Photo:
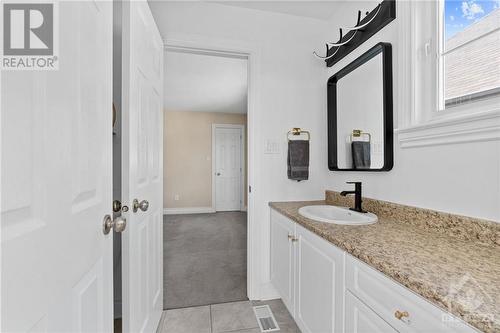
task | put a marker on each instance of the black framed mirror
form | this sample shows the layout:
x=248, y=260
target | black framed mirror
x=360, y=116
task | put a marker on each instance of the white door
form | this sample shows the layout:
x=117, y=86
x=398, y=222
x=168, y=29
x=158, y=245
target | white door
x=359, y=318
x=56, y=129
x=142, y=168
x=319, y=284
x=228, y=167
x=283, y=258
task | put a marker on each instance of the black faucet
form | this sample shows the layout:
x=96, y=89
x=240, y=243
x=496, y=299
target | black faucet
x=357, y=197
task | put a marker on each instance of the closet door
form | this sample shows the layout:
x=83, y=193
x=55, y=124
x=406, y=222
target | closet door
x=227, y=141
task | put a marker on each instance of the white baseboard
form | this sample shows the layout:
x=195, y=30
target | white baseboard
x=188, y=210
x=244, y=209
x=267, y=292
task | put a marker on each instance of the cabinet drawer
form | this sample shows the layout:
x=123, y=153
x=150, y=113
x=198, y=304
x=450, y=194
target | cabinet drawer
x=361, y=319
x=385, y=297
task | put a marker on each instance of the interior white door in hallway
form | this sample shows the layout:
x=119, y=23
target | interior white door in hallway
x=56, y=127
x=142, y=168
x=228, y=167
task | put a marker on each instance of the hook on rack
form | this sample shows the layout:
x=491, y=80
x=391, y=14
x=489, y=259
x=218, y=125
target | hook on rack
x=328, y=44
x=361, y=24
x=344, y=43
x=358, y=26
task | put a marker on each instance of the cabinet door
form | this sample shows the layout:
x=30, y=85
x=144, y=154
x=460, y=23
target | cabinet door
x=319, y=290
x=359, y=318
x=282, y=258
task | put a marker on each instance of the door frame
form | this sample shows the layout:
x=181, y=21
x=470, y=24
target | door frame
x=242, y=164
x=258, y=287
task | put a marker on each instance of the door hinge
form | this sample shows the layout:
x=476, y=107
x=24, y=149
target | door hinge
x=249, y=189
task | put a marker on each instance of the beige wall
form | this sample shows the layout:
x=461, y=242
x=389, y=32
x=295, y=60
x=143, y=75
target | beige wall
x=188, y=156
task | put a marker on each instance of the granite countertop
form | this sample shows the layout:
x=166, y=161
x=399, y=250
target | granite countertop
x=458, y=274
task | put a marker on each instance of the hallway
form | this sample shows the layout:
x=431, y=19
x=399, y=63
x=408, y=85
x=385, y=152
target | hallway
x=204, y=259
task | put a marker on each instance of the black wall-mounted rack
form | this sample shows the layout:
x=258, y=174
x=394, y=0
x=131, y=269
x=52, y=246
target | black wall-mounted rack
x=384, y=15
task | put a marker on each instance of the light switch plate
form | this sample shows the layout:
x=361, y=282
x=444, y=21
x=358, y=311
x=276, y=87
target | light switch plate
x=271, y=147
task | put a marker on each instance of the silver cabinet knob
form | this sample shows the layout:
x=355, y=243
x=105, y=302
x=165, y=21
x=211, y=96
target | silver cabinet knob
x=218, y=174
x=143, y=205
x=118, y=224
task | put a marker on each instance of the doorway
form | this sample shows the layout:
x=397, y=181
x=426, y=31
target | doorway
x=205, y=168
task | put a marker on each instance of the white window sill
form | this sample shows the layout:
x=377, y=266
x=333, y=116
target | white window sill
x=481, y=126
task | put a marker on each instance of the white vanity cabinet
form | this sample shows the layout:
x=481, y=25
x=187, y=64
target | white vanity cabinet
x=308, y=273
x=327, y=290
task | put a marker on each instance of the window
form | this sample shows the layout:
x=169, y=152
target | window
x=449, y=73
x=468, y=51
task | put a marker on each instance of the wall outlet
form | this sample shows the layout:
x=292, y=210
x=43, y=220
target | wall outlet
x=176, y=197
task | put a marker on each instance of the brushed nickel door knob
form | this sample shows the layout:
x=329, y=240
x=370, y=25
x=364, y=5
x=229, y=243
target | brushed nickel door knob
x=117, y=207
x=142, y=205
x=118, y=224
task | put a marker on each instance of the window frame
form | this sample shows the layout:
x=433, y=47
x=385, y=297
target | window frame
x=466, y=106
x=421, y=121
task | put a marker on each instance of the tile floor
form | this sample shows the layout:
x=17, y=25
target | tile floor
x=237, y=317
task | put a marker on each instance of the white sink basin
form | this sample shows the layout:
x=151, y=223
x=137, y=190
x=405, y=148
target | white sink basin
x=337, y=215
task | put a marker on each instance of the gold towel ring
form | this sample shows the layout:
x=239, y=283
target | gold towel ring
x=296, y=131
x=356, y=133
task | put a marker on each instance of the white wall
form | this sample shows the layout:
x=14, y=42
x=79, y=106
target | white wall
x=289, y=86
x=459, y=178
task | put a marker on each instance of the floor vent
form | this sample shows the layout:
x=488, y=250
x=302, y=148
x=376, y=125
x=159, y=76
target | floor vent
x=265, y=318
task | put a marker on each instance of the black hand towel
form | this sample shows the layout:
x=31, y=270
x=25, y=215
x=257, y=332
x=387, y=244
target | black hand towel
x=298, y=160
x=361, y=158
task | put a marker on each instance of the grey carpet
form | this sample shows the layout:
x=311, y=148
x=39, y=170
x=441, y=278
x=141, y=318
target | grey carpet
x=204, y=259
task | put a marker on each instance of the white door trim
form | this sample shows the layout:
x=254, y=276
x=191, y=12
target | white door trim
x=257, y=286
x=242, y=164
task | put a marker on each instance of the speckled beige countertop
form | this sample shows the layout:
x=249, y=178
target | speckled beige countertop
x=429, y=252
